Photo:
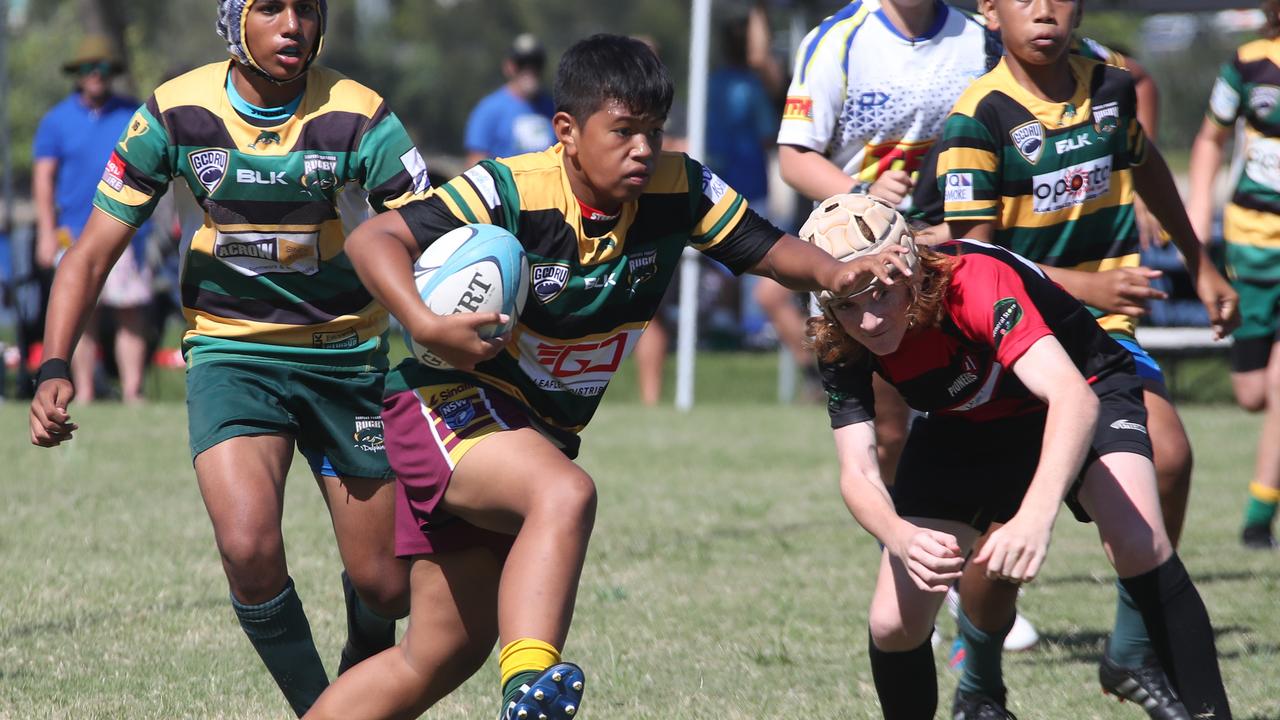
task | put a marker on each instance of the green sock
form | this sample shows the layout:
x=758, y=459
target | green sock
x=511, y=690
x=279, y=631
x=1129, y=645
x=983, y=672
x=368, y=633
x=1258, y=512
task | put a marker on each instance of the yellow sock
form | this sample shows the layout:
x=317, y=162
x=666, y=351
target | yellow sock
x=525, y=655
x=1264, y=493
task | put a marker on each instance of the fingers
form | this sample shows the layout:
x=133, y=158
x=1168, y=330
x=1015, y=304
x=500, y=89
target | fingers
x=50, y=423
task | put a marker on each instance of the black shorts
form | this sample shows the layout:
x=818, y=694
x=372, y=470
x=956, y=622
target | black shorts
x=978, y=472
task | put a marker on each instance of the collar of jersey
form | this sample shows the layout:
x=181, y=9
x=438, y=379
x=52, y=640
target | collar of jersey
x=943, y=12
x=592, y=250
x=248, y=109
x=1050, y=113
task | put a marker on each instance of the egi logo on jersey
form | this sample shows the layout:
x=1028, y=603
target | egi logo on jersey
x=209, y=167
x=548, y=280
x=1071, y=186
x=1106, y=117
x=253, y=254
x=1029, y=139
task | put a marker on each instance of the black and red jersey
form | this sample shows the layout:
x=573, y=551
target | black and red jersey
x=997, y=306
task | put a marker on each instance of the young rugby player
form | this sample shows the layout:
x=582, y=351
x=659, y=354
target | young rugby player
x=491, y=507
x=285, y=347
x=998, y=356
x=1042, y=155
x=1246, y=91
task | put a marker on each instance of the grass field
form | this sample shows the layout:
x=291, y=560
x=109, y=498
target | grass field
x=726, y=580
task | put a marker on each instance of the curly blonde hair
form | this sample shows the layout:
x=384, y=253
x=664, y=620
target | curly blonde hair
x=933, y=277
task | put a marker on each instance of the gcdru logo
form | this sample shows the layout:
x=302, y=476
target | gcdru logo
x=548, y=280
x=209, y=167
x=1028, y=138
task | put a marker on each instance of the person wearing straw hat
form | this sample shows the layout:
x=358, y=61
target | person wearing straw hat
x=72, y=144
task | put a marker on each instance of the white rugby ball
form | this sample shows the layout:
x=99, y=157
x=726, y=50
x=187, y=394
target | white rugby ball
x=475, y=268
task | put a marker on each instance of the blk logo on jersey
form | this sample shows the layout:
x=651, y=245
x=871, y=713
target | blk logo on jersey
x=245, y=176
x=1028, y=138
x=1071, y=186
x=548, y=280
x=209, y=167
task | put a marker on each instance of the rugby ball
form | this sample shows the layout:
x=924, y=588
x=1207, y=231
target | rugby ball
x=475, y=268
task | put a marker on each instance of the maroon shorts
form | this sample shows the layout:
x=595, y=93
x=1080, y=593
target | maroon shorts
x=427, y=432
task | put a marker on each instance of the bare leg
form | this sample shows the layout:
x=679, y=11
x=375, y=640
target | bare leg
x=1173, y=459
x=363, y=514
x=651, y=356
x=452, y=627
x=131, y=352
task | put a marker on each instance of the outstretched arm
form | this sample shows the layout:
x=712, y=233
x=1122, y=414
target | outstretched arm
x=75, y=291
x=1016, y=550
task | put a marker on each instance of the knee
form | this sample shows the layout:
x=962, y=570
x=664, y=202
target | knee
x=254, y=565
x=568, y=498
x=1136, y=553
x=892, y=633
x=1173, y=459
x=383, y=587
x=1251, y=402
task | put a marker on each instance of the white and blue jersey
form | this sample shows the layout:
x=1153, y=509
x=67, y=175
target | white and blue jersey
x=871, y=99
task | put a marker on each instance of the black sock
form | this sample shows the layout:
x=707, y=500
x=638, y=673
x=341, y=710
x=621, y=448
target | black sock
x=368, y=633
x=907, y=682
x=279, y=631
x=1181, y=636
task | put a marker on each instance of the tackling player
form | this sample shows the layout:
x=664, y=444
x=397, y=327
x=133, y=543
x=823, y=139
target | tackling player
x=997, y=355
x=1043, y=156
x=1248, y=90
x=284, y=346
x=492, y=510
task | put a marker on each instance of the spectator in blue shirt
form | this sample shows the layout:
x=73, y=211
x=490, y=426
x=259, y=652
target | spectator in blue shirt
x=515, y=118
x=73, y=144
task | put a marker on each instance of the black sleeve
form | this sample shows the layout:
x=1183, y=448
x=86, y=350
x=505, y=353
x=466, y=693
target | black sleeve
x=927, y=203
x=746, y=244
x=428, y=219
x=850, y=399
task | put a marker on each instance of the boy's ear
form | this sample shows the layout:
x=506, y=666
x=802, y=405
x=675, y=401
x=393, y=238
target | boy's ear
x=988, y=10
x=566, y=129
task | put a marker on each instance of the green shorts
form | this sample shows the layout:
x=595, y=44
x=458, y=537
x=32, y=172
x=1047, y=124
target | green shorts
x=1259, y=324
x=334, y=416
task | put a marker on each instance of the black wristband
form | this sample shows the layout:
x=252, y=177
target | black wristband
x=53, y=369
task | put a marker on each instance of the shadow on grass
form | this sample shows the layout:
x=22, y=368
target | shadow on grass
x=1101, y=578
x=69, y=624
x=1086, y=646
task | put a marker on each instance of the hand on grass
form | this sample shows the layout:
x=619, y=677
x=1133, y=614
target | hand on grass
x=50, y=422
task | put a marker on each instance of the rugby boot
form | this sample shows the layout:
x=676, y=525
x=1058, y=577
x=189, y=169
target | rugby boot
x=1146, y=686
x=359, y=645
x=979, y=706
x=1258, y=537
x=556, y=694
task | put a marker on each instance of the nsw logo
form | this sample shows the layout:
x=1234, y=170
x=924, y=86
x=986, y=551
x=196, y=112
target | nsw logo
x=959, y=187
x=1028, y=138
x=209, y=167
x=1071, y=186
x=548, y=280
x=457, y=414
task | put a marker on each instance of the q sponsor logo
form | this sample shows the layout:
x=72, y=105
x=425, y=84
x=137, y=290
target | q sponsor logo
x=959, y=187
x=1071, y=186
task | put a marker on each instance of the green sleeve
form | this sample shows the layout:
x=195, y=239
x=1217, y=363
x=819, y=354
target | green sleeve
x=139, y=170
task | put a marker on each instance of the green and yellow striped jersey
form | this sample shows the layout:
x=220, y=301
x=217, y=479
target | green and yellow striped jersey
x=1055, y=178
x=1248, y=89
x=593, y=286
x=266, y=276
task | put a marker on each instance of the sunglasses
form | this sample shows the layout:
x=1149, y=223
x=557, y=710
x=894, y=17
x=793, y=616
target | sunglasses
x=102, y=67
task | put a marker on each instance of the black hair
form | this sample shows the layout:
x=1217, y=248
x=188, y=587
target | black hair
x=612, y=67
x=733, y=39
